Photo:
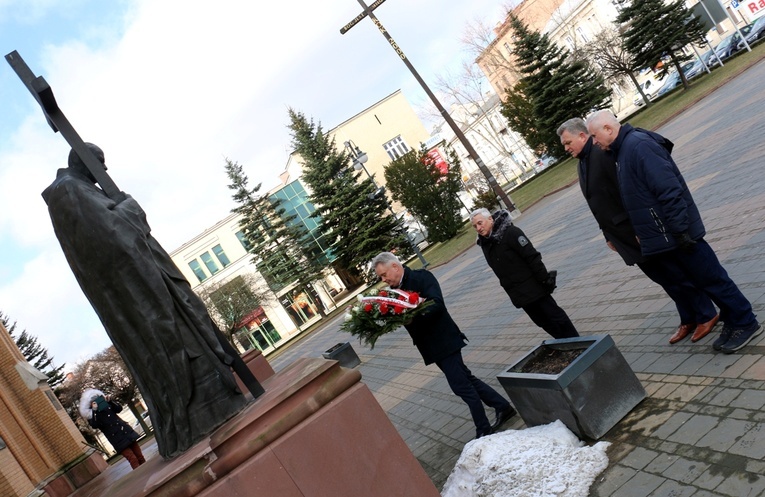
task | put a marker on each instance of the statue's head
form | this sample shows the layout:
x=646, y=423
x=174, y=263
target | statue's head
x=79, y=166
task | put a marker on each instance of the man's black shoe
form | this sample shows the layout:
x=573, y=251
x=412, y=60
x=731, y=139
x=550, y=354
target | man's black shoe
x=502, y=416
x=481, y=434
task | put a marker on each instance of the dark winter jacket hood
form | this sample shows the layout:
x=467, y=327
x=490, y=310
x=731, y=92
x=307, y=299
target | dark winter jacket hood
x=515, y=261
x=502, y=221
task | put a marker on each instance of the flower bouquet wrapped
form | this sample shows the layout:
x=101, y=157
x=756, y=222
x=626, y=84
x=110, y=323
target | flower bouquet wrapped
x=382, y=311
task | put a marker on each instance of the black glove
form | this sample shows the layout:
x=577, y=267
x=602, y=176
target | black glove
x=684, y=241
x=549, y=284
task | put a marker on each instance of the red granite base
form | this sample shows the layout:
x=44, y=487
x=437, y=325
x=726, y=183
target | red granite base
x=317, y=431
x=258, y=365
x=88, y=467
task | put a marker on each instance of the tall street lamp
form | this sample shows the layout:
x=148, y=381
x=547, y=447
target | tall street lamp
x=359, y=159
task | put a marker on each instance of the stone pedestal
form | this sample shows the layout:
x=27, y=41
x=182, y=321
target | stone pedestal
x=258, y=365
x=316, y=432
x=593, y=393
x=73, y=476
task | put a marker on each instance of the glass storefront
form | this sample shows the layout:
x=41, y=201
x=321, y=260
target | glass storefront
x=258, y=332
x=299, y=305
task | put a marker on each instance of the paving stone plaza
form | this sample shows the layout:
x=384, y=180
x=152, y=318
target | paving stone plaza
x=701, y=431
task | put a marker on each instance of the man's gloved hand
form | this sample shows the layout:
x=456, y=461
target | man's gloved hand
x=550, y=284
x=684, y=241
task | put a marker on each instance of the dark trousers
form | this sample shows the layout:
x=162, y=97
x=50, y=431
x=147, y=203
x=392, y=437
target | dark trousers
x=693, y=305
x=133, y=455
x=547, y=314
x=702, y=268
x=474, y=392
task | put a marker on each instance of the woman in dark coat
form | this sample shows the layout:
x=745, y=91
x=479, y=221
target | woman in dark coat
x=102, y=415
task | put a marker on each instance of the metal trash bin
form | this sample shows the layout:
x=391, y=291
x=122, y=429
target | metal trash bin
x=344, y=354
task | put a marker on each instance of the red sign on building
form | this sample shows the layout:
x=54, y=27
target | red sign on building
x=438, y=160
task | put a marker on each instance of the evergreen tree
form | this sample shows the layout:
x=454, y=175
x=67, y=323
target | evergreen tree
x=416, y=182
x=655, y=29
x=557, y=85
x=34, y=353
x=284, y=253
x=519, y=112
x=353, y=214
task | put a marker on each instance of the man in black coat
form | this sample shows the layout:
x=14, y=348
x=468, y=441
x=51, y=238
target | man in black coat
x=600, y=187
x=521, y=272
x=440, y=341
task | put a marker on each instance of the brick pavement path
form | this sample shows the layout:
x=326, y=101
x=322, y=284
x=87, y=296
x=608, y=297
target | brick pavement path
x=701, y=432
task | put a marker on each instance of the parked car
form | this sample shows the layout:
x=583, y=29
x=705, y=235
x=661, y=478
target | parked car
x=137, y=425
x=730, y=44
x=756, y=33
x=650, y=87
x=690, y=69
x=696, y=67
x=670, y=83
x=545, y=161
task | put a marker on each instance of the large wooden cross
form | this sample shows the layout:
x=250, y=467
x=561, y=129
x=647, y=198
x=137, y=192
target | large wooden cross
x=42, y=92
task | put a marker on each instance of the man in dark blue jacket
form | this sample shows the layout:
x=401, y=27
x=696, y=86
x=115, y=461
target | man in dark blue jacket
x=600, y=187
x=668, y=223
x=440, y=341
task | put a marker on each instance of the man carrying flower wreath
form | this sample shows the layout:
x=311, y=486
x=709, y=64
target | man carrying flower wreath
x=440, y=341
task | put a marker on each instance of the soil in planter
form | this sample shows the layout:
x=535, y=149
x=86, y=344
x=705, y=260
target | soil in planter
x=550, y=361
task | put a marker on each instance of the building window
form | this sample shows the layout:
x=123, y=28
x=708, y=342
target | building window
x=508, y=48
x=570, y=43
x=198, y=271
x=221, y=255
x=302, y=215
x=396, y=148
x=582, y=35
x=209, y=262
x=243, y=240
x=258, y=332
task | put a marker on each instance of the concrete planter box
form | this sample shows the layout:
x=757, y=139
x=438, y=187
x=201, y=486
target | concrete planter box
x=593, y=393
x=344, y=354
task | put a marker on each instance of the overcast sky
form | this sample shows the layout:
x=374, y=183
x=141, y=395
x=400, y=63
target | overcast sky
x=169, y=89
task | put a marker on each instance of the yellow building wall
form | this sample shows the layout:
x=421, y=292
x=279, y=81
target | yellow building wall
x=371, y=128
x=39, y=435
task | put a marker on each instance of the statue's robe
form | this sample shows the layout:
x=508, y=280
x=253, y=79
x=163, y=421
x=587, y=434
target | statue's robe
x=158, y=325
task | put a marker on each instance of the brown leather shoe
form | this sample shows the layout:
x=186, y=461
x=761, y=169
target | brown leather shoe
x=703, y=329
x=682, y=331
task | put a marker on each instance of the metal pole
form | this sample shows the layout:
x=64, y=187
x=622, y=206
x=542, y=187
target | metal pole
x=505, y=199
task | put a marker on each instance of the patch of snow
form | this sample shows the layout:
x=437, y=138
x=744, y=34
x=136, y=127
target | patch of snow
x=542, y=461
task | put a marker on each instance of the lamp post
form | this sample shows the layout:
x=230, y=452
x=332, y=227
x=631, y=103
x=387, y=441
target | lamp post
x=359, y=159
